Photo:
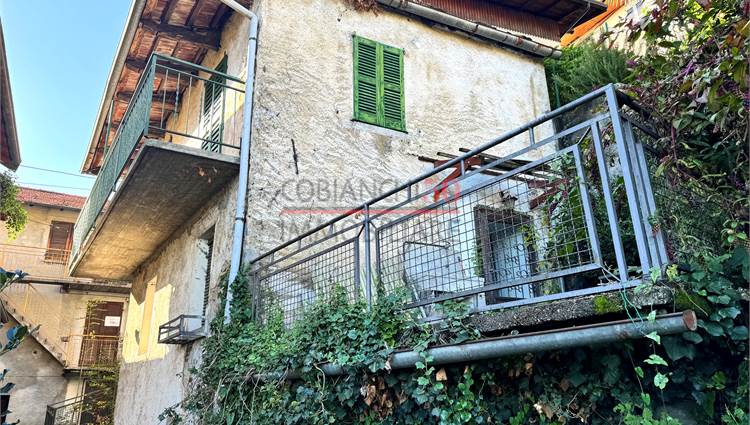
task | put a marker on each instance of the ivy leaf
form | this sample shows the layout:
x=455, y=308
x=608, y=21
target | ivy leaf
x=651, y=316
x=678, y=348
x=639, y=371
x=422, y=381
x=646, y=399
x=656, y=359
x=660, y=380
x=713, y=328
x=720, y=299
x=693, y=337
x=739, y=333
x=730, y=312
x=655, y=337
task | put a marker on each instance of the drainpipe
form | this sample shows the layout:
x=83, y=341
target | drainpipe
x=474, y=28
x=493, y=348
x=247, y=121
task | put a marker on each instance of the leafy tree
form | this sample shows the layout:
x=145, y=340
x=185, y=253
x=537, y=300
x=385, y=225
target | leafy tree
x=11, y=210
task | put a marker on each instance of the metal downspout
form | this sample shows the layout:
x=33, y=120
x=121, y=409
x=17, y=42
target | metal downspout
x=557, y=339
x=247, y=121
x=485, y=31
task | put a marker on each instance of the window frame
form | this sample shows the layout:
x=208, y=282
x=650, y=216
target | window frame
x=381, y=85
x=56, y=255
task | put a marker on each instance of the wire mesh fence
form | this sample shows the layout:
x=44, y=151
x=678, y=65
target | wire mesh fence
x=569, y=212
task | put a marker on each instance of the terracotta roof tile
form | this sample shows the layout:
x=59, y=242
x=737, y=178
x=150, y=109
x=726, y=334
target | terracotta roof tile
x=45, y=197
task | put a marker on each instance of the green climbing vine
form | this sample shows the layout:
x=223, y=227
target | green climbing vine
x=269, y=373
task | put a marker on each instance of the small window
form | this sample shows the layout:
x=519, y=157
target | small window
x=59, y=242
x=378, y=84
x=212, y=113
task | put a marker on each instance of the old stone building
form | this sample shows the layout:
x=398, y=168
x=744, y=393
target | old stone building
x=78, y=320
x=340, y=96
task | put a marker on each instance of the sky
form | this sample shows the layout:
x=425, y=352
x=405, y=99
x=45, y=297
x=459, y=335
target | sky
x=59, y=56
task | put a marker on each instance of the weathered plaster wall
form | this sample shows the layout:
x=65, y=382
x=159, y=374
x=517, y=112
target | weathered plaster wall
x=460, y=92
x=27, y=250
x=38, y=377
x=153, y=381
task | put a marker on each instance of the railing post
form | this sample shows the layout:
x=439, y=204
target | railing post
x=368, y=265
x=629, y=180
x=609, y=203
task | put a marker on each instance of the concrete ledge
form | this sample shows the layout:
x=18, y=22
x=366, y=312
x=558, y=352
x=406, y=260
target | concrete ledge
x=581, y=309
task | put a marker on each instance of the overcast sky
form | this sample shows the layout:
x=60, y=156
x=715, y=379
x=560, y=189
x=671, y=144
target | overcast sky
x=59, y=56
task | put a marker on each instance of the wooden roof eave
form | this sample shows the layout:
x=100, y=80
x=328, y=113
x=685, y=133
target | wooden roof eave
x=131, y=26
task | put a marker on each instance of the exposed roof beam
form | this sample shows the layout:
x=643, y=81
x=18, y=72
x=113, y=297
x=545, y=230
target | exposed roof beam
x=168, y=11
x=204, y=38
x=138, y=65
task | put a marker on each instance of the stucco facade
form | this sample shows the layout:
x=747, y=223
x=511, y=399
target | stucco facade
x=459, y=92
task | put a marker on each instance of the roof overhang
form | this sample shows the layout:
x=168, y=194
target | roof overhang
x=10, y=153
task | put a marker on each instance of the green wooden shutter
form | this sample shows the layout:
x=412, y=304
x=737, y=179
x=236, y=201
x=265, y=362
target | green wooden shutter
x=378, y=84
x=365, y=80
x=393, y=88
x=213, y=103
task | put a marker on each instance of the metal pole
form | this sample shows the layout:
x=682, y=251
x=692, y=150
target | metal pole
x=247, y=114
x=630, y=189
x=368, y=263
x=558, y=339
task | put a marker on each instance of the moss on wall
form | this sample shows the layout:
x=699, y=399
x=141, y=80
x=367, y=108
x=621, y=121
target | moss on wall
x=604, y=304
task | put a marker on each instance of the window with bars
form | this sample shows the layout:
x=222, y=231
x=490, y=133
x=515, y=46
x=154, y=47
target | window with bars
x=379, y=84
x=212, y=112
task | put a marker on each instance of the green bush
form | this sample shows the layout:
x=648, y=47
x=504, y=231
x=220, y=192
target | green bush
x=582, y=69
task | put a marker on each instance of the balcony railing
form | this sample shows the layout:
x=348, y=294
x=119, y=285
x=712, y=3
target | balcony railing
x=83, y=409
x=563, y=206
x=175, y=102
x=182, y=329
x=36, y=261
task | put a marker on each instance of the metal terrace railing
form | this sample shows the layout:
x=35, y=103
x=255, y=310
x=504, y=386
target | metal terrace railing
x=571, y=211
x=36, y=261
x=176, y=102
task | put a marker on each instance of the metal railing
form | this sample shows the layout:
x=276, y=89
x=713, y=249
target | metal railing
x=182, y=329
x=79, y=410
x=569, y=212
x=32, y=308
x=36, y=261
x=176, y=102
x=66, y=412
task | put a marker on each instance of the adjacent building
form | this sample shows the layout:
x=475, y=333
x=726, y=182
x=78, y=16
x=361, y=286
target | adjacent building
x=78, y=320
x=347, y=104
x=611, y=26
x=10, y=154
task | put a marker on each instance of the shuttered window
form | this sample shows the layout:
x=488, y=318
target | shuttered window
x=59, y=242
x=378, y=84
x=213, y=109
